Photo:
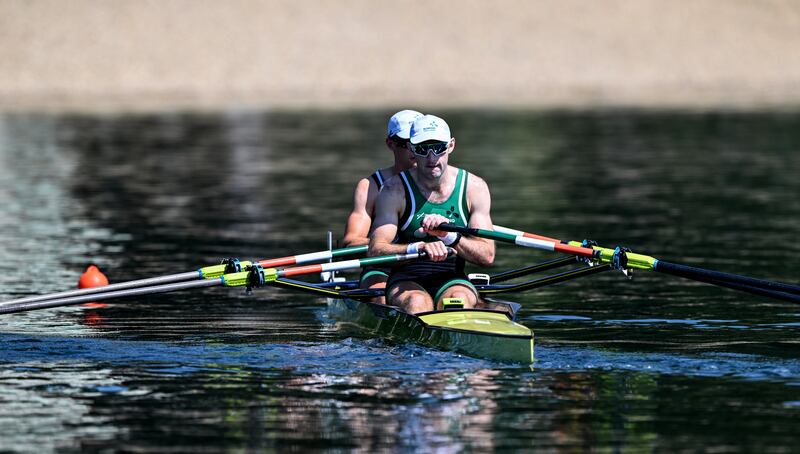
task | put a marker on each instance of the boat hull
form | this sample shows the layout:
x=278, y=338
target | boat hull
x=489, y=334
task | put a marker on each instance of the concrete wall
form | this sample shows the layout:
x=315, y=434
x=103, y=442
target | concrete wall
x=164, y=54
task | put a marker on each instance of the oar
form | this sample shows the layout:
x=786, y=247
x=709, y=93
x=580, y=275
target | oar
x=675, y=269
x=256, y=276
x=622, y=259
x=207, y=272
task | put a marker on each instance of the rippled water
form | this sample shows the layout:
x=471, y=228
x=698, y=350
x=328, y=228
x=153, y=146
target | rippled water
x=652, y=363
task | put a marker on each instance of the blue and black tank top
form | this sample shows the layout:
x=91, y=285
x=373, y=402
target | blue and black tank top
x=378, y=179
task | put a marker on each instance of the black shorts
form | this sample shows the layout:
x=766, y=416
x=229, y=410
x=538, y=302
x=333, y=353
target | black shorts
x=433, y=277
x=369, y=271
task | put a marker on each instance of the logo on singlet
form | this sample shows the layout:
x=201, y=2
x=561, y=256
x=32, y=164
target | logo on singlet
x=450, y=214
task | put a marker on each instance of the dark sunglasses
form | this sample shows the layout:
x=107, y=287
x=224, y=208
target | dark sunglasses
x=424, y=149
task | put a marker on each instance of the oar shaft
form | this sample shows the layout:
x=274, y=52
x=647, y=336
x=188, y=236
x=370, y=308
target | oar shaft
x=312, y=257
x=779, y=290
x=784, y=296
x=705, y=275
x=522, y=239
x=207, y=272
x=243, y=278
x=108, y=288
x=345, y=265
x=13, y=306
x=541, y=242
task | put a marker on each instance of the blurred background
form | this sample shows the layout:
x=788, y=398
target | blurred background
x=149, y=54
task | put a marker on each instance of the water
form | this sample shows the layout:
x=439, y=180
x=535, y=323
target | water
x=653, y=363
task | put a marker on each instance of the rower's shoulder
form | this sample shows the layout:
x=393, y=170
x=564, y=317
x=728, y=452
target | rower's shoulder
x=477, y=188
x=476, y=181
x=393, y=183
x=370, y=181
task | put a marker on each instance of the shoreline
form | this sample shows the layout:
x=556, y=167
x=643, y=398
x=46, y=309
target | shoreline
x=149, y=55
x=138, y=104
x=596, y=98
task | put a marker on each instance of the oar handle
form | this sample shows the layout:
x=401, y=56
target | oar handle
x=345, y=265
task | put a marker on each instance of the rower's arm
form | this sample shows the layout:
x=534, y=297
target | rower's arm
x=388, y=207
x=359, y=222
x=473, y=249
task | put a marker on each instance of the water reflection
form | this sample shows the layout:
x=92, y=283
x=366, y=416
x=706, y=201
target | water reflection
x=51, y=407
x=142, y=406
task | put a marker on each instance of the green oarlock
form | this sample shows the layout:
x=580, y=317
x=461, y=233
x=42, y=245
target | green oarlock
x=270, y=274
x=235, y=279
x=214, y=271
x=635, y=261
x=244, y=278
x=640, y=261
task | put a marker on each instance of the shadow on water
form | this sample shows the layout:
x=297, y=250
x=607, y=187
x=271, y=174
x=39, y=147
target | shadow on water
x=655, y=363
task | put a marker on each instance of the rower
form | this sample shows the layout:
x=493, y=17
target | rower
x=412, y=205
x=359, y=222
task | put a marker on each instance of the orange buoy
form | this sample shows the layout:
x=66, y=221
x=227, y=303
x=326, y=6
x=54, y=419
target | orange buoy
x=92, y=277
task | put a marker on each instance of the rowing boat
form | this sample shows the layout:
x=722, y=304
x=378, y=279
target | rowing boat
x=489, y=333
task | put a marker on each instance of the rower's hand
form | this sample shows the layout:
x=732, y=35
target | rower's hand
x=431, y=221
x=436, y=251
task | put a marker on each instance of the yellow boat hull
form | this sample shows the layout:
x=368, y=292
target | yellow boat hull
x=481, y=333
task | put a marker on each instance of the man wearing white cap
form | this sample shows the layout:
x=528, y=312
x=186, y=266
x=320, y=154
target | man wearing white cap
x=359, y=222
x=411, y=206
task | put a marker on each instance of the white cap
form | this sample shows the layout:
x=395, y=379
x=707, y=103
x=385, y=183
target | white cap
x=400, y=123
x=429, y=127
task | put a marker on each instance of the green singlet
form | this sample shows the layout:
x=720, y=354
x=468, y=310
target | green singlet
x=417, y=206
x=434, y=277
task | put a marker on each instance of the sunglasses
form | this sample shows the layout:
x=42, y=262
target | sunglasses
x=423, y=150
